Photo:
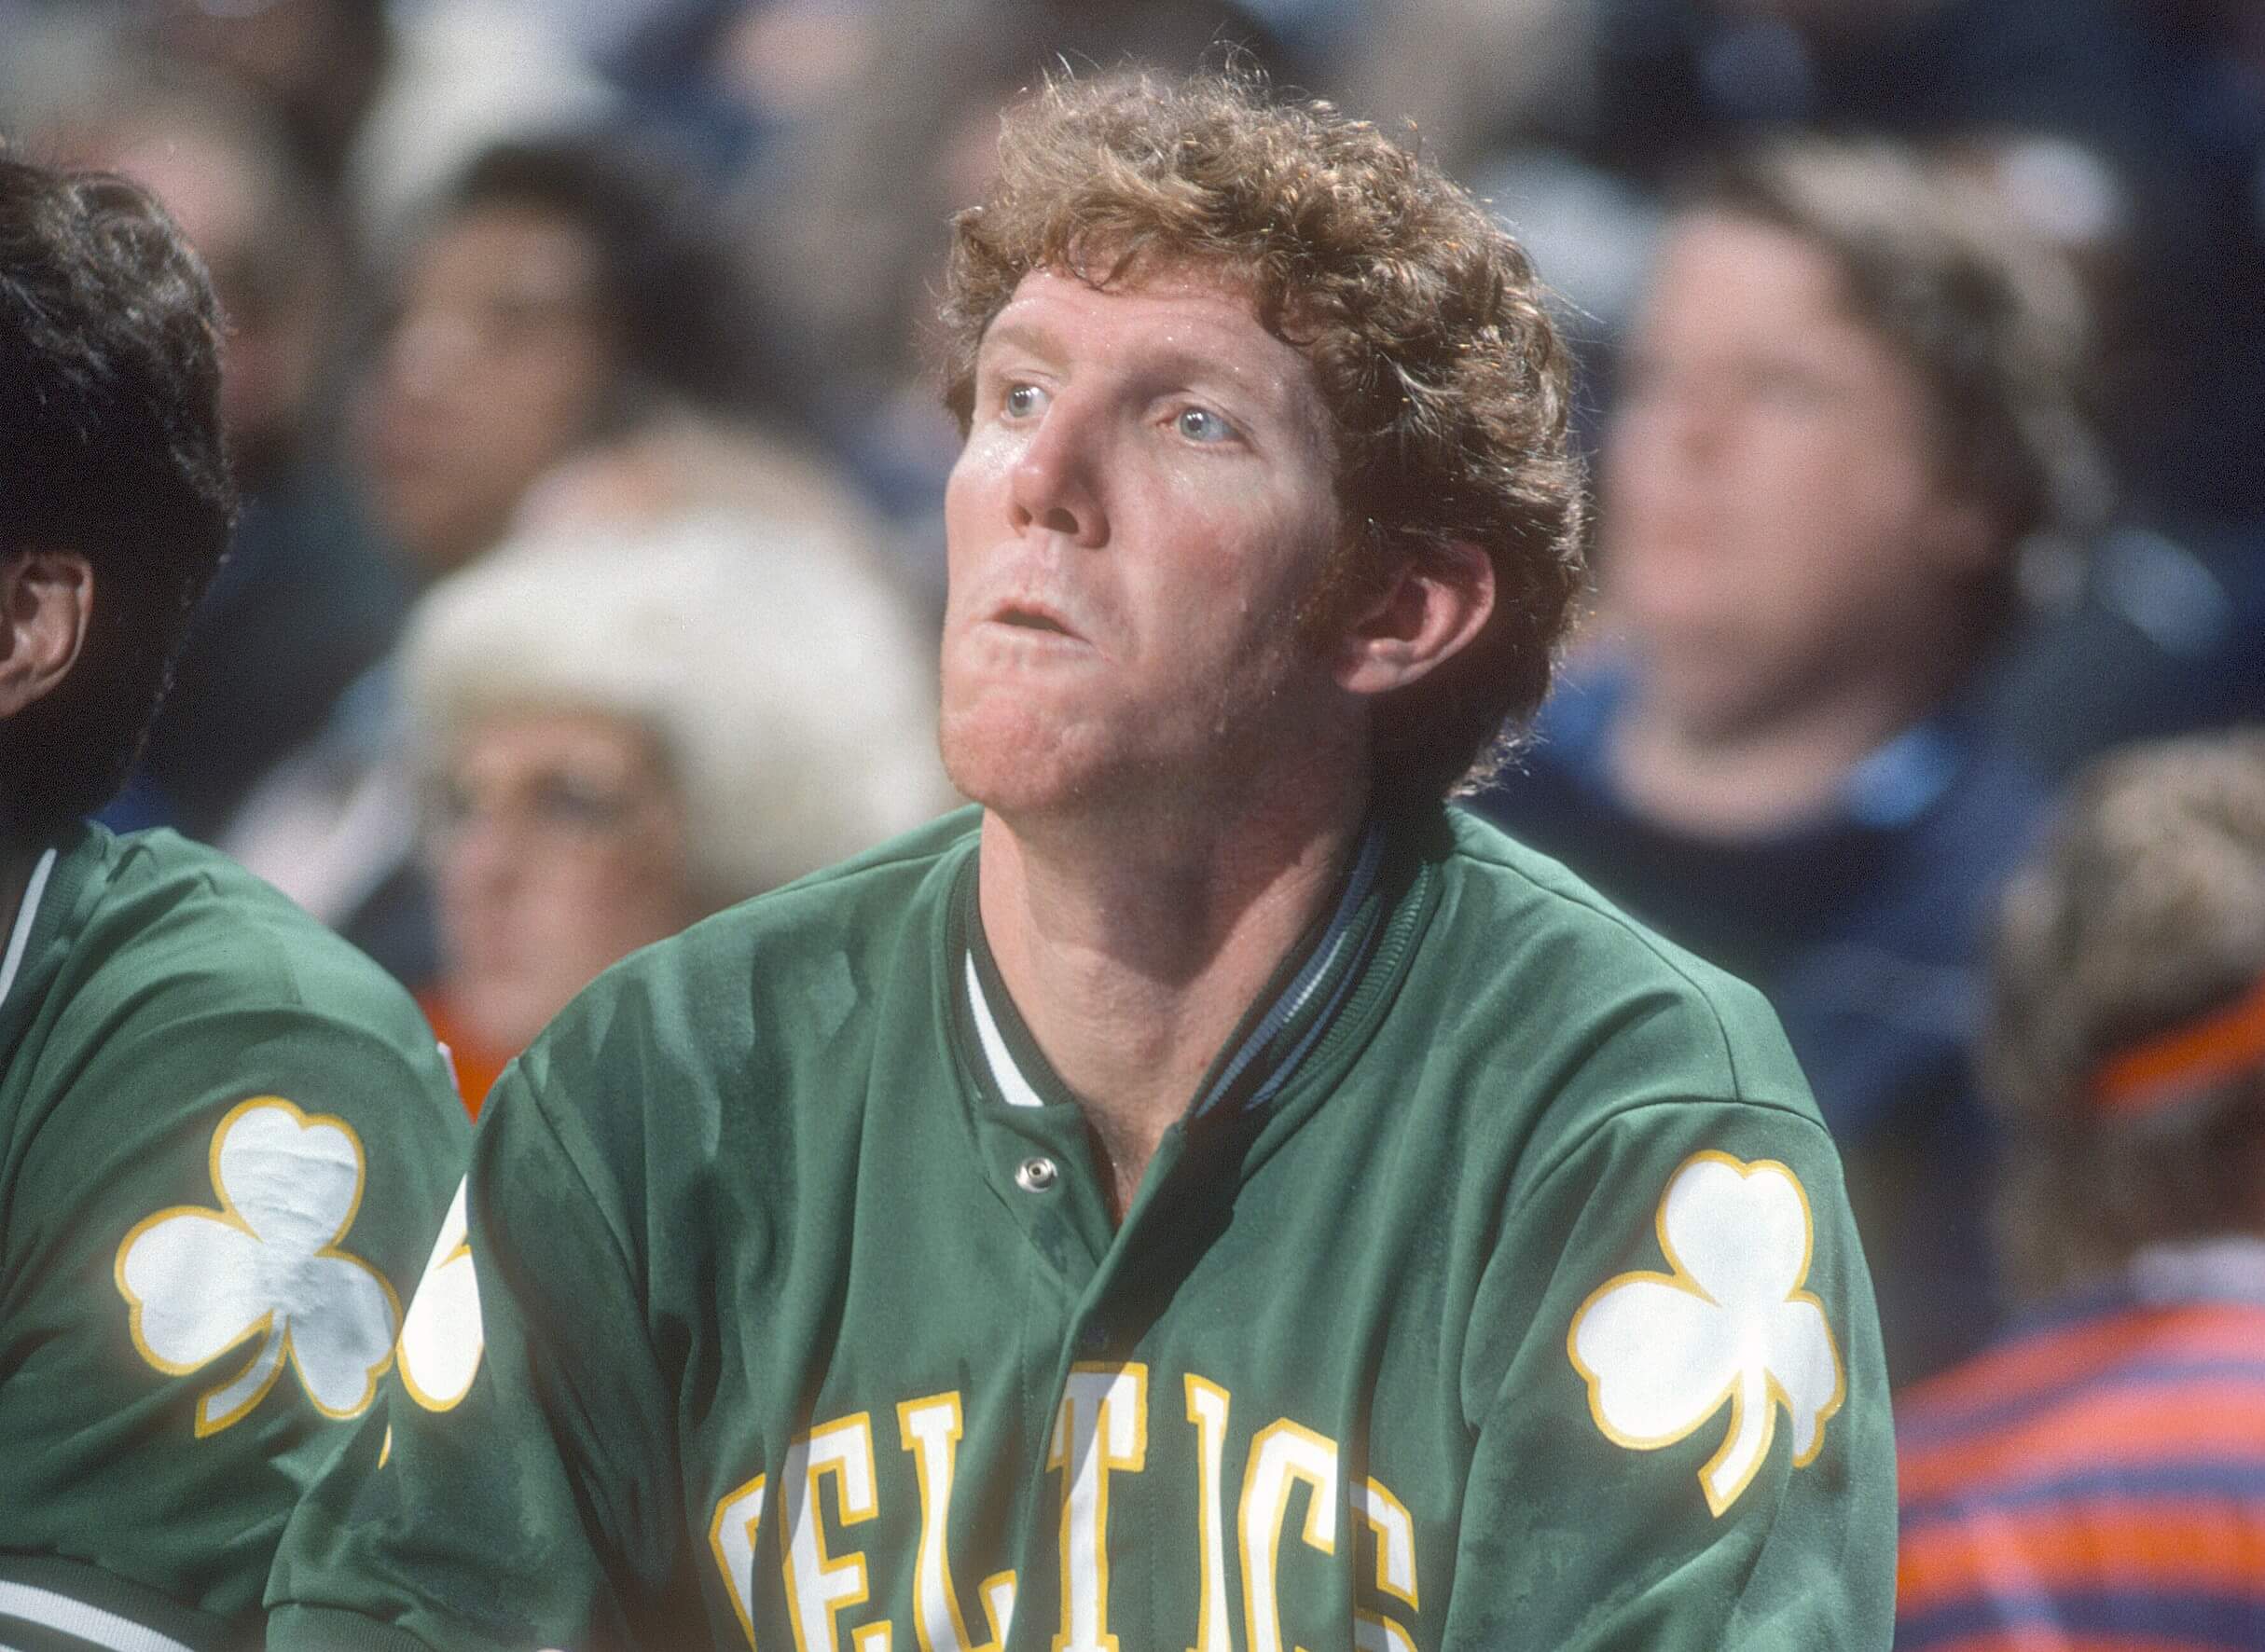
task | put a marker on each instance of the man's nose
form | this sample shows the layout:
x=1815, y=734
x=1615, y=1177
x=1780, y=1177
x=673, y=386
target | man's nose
x=426, y=353
x=478, y=857
x=1670, y=436
x=1055, y=484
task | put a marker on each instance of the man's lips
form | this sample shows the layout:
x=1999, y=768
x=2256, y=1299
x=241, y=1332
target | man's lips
x=1039, y=618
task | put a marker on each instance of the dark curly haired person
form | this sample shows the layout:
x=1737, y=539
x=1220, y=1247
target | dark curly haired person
x=1211, y=1195
x=225, y=1136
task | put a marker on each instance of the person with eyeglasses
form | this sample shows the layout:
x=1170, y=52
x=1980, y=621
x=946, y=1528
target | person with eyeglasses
x=621, y=728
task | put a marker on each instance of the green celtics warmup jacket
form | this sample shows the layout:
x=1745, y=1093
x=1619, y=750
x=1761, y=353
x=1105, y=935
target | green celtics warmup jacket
x=225, y=1138
x=1498, y=1291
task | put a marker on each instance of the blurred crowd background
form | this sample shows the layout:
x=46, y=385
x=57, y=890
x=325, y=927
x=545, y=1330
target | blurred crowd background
x=592, y=546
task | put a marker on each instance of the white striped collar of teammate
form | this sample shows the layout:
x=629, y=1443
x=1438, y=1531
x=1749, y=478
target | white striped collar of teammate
x=13, y=960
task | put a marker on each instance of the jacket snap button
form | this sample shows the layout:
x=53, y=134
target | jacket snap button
x=1034, y=1175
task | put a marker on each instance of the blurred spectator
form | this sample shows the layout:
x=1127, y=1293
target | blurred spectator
x=2147, y=85
x=307, y=601
x=1846, y=408
x=624, y=730
x=2098, y=1477
x=565, y=288
x=319, y=64
x=574, y=295
x=1468, y=75
x=2161, y=629
x=387, y=101
x=713, y=71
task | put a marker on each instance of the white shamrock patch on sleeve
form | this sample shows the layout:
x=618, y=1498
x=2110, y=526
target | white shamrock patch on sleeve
x=1662, y=1352
x=264, y=1269
x=442, y=1337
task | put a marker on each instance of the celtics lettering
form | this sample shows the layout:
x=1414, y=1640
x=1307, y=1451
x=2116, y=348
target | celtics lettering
x=1290, y=1493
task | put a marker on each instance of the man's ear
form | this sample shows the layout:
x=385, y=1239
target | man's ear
x=46, y=603
x=1428, y=611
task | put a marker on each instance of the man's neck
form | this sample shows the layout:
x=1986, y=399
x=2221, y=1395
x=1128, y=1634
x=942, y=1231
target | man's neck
x=1131, y=964
x=1757, y=775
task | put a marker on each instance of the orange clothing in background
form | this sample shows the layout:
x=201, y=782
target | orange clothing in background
x=478, y=1066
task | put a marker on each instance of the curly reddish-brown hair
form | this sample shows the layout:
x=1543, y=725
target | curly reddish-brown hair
x=1448, y=385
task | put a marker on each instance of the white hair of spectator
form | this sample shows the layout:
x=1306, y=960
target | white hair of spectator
x=783, y=676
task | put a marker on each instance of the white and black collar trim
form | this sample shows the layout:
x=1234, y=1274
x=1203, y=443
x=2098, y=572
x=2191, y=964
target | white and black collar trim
x=1266, y=1051
x=21, y=936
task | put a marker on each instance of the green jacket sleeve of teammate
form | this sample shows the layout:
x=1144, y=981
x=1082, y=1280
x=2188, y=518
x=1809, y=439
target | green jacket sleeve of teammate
x=1684, y=1440
x=516, y=1484
x=224, y=1139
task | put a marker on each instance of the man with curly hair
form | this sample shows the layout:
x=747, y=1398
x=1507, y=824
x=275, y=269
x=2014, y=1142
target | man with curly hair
x=1212, y=1194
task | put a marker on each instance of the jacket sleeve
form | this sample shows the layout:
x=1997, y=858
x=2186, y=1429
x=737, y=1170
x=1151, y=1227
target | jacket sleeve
x=210, y=1210
x=1683, y=1432
x=515, y=1485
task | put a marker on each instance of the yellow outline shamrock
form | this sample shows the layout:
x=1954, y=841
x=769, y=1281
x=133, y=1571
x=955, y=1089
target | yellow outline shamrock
x=1661, y=1353
x=264, y=1269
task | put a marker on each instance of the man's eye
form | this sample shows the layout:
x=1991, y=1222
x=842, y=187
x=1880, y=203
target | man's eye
x=448, y=807
x=1200, y=424
x=566, y=802
x=1022, y=400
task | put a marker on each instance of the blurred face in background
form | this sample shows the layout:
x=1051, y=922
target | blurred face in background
x=1776, y=522
x=558, y=844
x=274, y=270
x=497, y=364
x=321, y=60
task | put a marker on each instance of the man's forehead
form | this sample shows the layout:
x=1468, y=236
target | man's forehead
x=1164, y=311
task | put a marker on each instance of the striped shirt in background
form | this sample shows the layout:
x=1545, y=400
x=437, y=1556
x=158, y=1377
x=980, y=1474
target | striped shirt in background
x=2095, y=1480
